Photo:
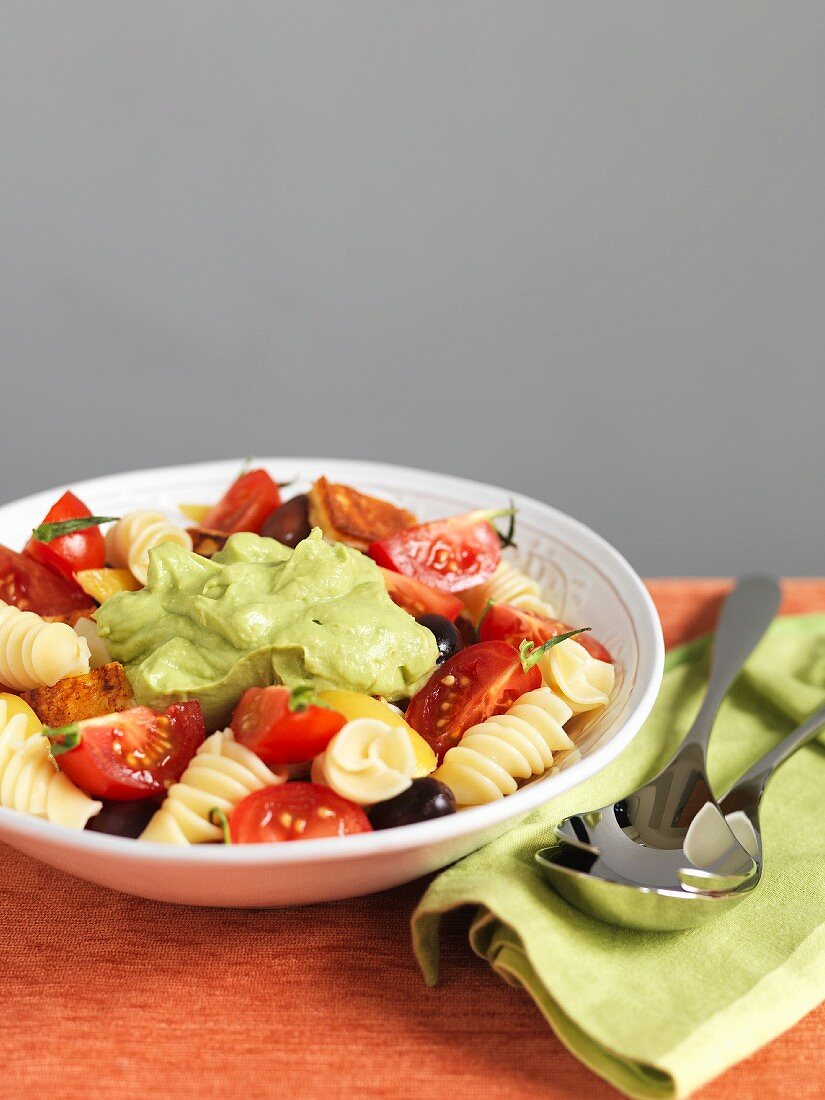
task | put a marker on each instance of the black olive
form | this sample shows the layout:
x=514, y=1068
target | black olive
x=446, y=635
x=422, y=800
x=123, y=818
x=289, y=523
x=469, y=634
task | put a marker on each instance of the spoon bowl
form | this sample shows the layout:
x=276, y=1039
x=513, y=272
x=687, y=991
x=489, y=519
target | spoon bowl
x=703, y=893
x=630, y=865
x=666, y=856
x=648, y=909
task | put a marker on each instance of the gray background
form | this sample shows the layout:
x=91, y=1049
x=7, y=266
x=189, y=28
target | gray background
x=573, y=248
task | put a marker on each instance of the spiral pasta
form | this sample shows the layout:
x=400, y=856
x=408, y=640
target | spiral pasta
x=219, y=776
x=507, y=585
x=491, y=756
x=583, y=681
x=367, y=761
x=98, y=650
x=128, y=543
x=34, y=653
x=29, y=781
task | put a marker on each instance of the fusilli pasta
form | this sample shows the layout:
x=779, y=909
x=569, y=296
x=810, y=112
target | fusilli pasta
x=219, y=776
x=98, y=650
x=584, y=682
x=128, y=543
x=507, y=585
x=493, y=755
x=34, y=653
x=29, y=781
x=367, y=761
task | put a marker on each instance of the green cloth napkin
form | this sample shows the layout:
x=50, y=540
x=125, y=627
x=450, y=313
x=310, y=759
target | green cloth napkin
x=659, y=1014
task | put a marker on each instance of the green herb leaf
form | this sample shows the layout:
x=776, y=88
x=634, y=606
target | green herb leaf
x=219, y=818
x=46, y=532
x=63, y=738
x=530, y=655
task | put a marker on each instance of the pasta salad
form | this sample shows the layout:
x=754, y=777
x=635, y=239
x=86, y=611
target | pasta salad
x=271, y=670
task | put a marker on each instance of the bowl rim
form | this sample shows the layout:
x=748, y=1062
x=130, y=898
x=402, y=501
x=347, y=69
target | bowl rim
x=650, y=669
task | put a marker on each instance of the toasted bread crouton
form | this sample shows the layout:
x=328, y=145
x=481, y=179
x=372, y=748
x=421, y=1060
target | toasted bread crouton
x=206, y=543
x=101, y=691
x=345, y=515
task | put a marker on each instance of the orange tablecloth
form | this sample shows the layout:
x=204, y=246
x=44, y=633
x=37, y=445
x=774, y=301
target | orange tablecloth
x=107, y=995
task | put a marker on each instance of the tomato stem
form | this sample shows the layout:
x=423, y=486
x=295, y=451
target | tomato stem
x=46, y=532
x=509, y=538
x=484, y=614
x=302, y=697
x=249, y=462
x=530, y=655
x=219, y=818
x=489, y=514
x=63, y=738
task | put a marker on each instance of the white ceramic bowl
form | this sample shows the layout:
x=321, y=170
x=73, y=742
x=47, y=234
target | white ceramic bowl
x=588, y=581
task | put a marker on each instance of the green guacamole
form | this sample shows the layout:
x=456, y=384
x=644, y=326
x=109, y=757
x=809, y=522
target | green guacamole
x=259, y=613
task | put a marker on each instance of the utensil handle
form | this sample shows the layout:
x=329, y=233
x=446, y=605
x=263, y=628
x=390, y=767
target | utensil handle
x=746, y=615
x=753, y=782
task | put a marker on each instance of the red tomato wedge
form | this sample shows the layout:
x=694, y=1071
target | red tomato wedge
x=132, y=754
x=479, y=681
x=295, y=811
x=31, y=586
x=281, y=728
x=511, y=624
x=68, y=554
x=245, y=505
x=420, y=599
x=447, y=554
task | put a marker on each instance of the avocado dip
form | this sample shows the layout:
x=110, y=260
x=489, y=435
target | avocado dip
x=258, y=613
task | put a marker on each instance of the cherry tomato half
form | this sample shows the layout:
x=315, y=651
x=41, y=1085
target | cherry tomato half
x=248, y=501
x=68, y=554
x=31, y=586
x=132, y=754
x=504, y=623
x=295, y=811
x=278, y=727
x=420, y=599
x=479, y=681
x=447, y=554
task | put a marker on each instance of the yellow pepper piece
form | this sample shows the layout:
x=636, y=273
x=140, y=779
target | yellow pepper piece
x=195, y=512
x=100, y=584
x=15, y=706
x=352, y=704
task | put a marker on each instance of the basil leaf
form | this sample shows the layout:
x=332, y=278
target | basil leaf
x=531, y=656
x=46, y=532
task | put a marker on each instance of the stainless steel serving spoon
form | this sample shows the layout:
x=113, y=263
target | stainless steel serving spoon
x=667, y=857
